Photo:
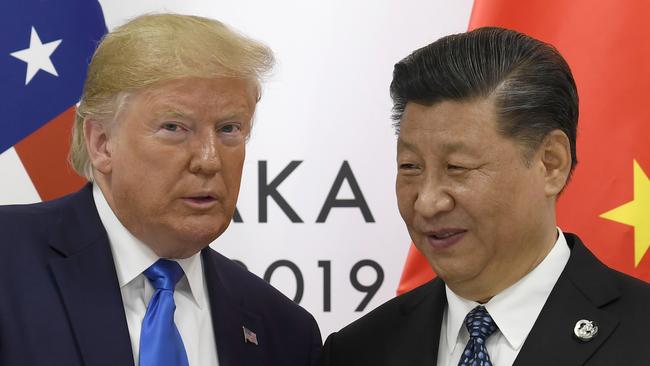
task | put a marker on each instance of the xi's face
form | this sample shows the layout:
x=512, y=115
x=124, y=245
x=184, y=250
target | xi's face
x=472, y=205
x=175, y=161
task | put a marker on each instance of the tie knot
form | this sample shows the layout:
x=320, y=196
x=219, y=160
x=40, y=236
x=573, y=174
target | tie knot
x=479, y=323
x=164, y=274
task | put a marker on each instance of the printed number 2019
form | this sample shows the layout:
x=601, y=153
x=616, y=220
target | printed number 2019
x=370, y=290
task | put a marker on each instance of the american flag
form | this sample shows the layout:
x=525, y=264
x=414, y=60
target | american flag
x=249, y=336
x=45, y=47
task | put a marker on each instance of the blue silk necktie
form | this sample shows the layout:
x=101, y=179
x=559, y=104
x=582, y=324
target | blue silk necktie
x=160, y=342
x=480, y=326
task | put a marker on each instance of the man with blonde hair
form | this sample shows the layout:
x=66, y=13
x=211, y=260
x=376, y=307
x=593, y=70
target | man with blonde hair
x=121, y=273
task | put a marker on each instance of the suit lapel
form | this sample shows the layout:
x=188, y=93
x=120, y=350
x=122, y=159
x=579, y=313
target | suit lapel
x=87, y=282
x=422, y=318
x=583, y=288
x=229, y=316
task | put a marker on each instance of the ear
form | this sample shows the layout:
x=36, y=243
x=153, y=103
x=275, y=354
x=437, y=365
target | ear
x=556, y=159
x=97, y=141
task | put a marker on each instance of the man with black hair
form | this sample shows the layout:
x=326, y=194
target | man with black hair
x=486, y=123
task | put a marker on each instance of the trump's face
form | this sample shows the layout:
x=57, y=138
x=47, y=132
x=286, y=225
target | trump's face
x=478, y=211
x=172, y=164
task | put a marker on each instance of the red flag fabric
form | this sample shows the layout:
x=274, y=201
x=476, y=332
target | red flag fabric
x=607, y=45
x=44, y=154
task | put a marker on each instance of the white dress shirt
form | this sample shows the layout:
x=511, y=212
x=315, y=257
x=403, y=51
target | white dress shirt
x=514, y=311
x=132, y=257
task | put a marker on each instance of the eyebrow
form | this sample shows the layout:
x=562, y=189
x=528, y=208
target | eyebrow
x=446, y=147
x=171, y=112
x=403, y=144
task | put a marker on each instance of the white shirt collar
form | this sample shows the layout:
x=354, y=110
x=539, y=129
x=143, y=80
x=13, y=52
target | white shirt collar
x=516, y=308
x=132, y=257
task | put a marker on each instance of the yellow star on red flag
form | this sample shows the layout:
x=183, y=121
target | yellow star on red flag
x=636, y=213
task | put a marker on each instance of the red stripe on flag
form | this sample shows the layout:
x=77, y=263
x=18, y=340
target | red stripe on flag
x=606, y=45
x=44, y=154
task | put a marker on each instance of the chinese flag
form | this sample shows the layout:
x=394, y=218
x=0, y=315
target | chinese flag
x=607, y=45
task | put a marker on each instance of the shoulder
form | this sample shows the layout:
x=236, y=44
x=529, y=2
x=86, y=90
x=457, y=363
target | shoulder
x=393, y=310
x=22, y=222
x=633, y=290
x=11, y=215
x=256, y=294
x=292, y=334
x=613, y=291
x=394, y=317
x=586, y=270
x=41, y=213
x=25, y=230
x=391, y=333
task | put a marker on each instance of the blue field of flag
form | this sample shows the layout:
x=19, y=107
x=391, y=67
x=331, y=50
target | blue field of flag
x=45, y=47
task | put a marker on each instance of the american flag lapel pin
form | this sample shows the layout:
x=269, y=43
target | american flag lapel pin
x=249, y=336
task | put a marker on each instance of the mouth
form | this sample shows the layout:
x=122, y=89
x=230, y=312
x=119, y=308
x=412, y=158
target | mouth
x=200, y=201
x=444, y=238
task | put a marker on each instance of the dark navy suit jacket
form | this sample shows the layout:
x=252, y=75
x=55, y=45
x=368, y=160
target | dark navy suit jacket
x=405, y=331
x=60, y=302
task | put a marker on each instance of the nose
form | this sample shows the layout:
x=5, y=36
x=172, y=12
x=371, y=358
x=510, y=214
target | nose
x=205, y=154
x=433, y=199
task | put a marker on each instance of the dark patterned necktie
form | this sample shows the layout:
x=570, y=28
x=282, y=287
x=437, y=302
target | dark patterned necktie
x=480, y=326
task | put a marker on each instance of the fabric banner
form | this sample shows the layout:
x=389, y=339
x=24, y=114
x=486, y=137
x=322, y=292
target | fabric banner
x=606, y=45
x=48, y=45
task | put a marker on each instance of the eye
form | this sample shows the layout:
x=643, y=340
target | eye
x=455, y=167
x=407, y=166
x=230, y=128
x=409, y=169
x=170, y=126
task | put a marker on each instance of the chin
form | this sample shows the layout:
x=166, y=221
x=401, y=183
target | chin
x=186, y=249
x=184, y=244
x=451, y=273
x=199, y=239
x=200, y=228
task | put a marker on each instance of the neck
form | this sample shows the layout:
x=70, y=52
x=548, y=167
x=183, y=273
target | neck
x=501, y=276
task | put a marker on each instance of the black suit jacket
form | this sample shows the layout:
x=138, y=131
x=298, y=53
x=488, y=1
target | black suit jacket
x=406, y=330
x=60, y=302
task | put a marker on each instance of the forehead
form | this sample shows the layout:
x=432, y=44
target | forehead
x=200, y=95
x=449, y=125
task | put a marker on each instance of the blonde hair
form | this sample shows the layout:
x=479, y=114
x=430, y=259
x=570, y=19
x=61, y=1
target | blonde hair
x=155, y=48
